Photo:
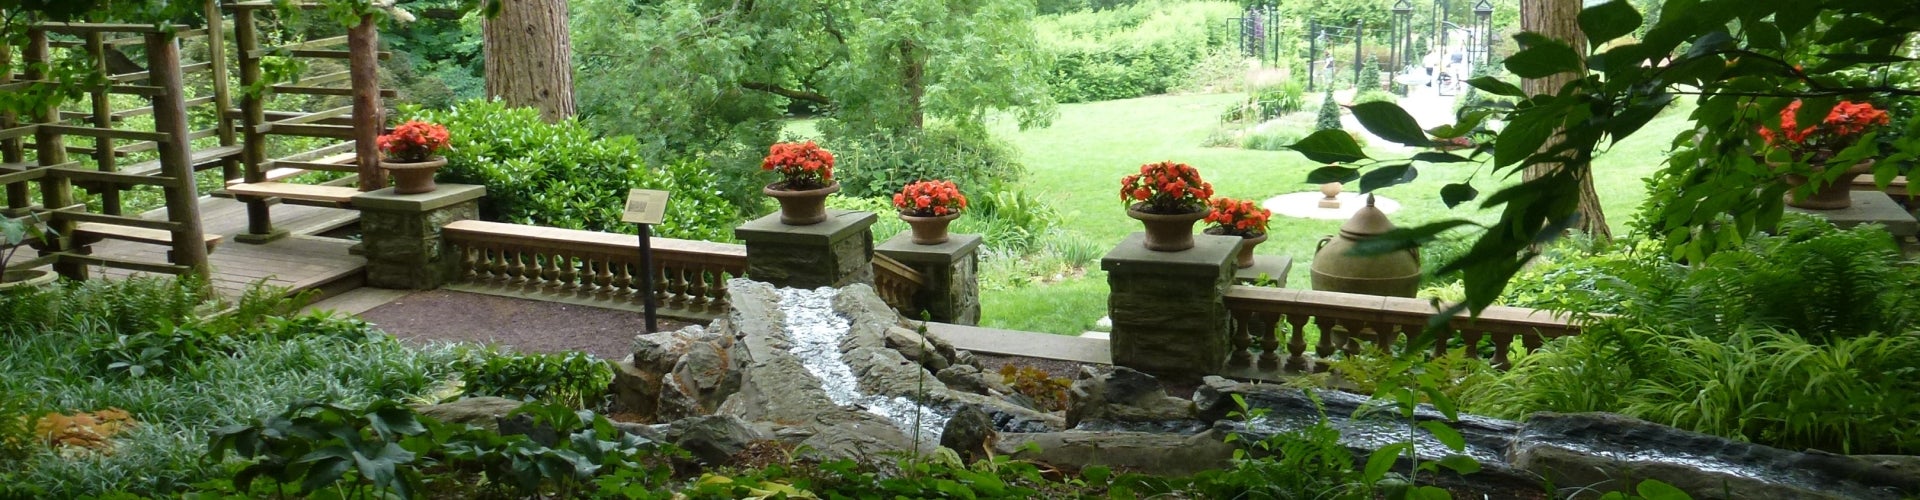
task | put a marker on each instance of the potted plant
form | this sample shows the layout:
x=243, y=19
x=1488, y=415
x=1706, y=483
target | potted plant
x=1167, y=198
x=1243, y=218
x=808, y=172
x=928, y=206
x=14, y=234
x=412, y=155
x=1816, y=146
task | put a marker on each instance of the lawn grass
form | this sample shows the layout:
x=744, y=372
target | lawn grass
x=1076, y=164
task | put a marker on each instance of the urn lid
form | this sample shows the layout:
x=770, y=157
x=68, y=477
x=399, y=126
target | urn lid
x=1366, y=222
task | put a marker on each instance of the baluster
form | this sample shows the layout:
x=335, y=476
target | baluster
x=696, y=288
x=1531, y=342
x=682, y=286
x=1502, y=342
x=1297, y=342
x=496, y=264
x=516, y=266
x=1269, y=332
x=720, y=296
x=1472, y=338
x=1239, y=330
x=1440, y=340
x=666, y=289
x=1351, y=331
x=1324, y=349
x=569, y=272
x=1384, y=335
x=550, y=272
x=622, y=279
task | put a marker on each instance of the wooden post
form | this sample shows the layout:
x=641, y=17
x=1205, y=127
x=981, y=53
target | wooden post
x=253, y=147
x=56, y=192
x=222, y=101
x=19, y=199
x=363, y=52
x=170, y=117
x=103, y=118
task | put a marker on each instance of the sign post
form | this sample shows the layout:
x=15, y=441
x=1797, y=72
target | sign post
x=646, y=207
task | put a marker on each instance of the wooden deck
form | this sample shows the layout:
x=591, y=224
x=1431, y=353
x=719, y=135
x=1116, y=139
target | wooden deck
x=301, y=261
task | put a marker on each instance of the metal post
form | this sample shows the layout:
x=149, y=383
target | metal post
x=646, y=280
x=1357, y=27
x=1313, y=51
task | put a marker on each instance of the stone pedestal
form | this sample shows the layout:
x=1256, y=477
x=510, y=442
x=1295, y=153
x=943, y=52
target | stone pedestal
x=1871, y=207
x=1169, y=308
x=834, y=253
x=400, y=234
x=952, y=291
x=1274, y=267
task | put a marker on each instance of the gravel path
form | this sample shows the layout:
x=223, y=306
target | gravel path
x=525, y=325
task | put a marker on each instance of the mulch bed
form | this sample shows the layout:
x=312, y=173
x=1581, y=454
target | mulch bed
x=524, y=325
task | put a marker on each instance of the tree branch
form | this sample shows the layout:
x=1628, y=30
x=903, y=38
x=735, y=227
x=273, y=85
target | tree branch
x=787, y=92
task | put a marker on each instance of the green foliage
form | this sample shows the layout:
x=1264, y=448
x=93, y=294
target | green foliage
x=1375, y=95
x=562, y=175
x=574, y=379
x=1329, y=118
x=1370, y=76
x=1142, y=49
x=880, y=165
x=1269, y=102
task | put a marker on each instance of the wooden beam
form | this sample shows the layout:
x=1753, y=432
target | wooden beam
x=95, y=176
x=328, y=131
x=81, y=215
x=130, y=265
x=304, y=90
x=363, y=40
x=134, y=135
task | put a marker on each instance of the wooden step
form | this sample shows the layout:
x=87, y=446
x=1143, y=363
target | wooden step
x=200, y=159
x=135, y=234
x=337, y=196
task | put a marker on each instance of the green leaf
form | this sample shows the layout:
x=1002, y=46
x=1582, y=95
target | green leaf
x=1867, y=58
x=1446, y=435
x=1455, y=194
x=1653, y=489
x=1496, y=86
x=1851, y=28
x=1387, y=176
x=1439, y=157
x=1401, y=238
x=393, y=420
x=1460, y=464
x=1382, y=460
x=1544, y=59
x=1337, y=174
x=1637, y=115
x=1607, y=21
x=1523, y=136
x=1329, y=146
x=1388, y=121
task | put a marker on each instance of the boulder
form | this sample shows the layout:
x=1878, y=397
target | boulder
x=970, y=434
x=1122, y=395
x=1161, y=454
x=699, y=382
x=916, y=347
x=640, y=379
x=713, y=439
x=484, y=412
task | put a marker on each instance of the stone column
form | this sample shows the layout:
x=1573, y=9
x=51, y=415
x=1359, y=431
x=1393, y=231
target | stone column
x=838, y=252
x=952, y=291
x=1169, y=309
x=400, y=234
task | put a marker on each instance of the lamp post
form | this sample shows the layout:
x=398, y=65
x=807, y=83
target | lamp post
x=1483, y=26
x=1401, y=37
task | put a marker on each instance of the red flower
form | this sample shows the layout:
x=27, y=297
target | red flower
x=1166, y=187
x=930, y=199
x=413, y=141
x=1238, y=217
x=805, y=164
x=1842, y=128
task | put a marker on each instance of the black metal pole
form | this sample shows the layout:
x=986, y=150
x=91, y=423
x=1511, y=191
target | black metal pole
x=1357, y=27
x=646, y=280
x=1313, y=51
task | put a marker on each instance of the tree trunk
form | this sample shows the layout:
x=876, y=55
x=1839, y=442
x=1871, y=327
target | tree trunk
x=529, y=57
x=1558, y=19
x=912, y=78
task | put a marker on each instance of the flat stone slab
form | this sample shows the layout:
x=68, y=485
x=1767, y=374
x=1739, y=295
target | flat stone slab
x=902, y=248
x=1275, y=267
x=1870, y=206
x=1208, y=252
x=839, y=225
x=446, y=195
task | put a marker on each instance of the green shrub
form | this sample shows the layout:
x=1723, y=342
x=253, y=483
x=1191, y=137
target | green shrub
x=1369, y=76
x=881, y=165
x=1375, y=95
x=561, y=175
x=574, y=379
x=1014, y=222
x=1138, y=50
x=1273, y=139
x=1329, y=118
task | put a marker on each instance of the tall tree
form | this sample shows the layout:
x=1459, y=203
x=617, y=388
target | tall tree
x=528, y=56
x=1557, y=19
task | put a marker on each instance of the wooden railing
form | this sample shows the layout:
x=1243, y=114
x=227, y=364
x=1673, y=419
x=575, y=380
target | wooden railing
x=897, y=284
x=688, y=275
x=1263, y=317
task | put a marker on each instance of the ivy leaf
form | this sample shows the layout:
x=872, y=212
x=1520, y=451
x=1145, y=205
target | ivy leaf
x=1387, y=176
x=1333, y=173
x=1455, y=194
x=1388, y=121
x=1544, y=58
x=1329, y=146
x=1607, y=21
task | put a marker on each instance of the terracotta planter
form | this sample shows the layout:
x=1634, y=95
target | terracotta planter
x=25, y=278
x=1395, y=274
x=1167, y=232
x=931, y=230
x=1247, y=242
x=413, y=177
x=802, y=208
x=1833, y=196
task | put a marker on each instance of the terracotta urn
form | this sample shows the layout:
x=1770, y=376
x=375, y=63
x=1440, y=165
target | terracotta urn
x=929, y=230
x=1833, y=196
x=802, y=207
x=1394, y=274
x=24, y=279
x=1331, y=191
x=1244, y=259
x=1167, y=232
x=413, y=177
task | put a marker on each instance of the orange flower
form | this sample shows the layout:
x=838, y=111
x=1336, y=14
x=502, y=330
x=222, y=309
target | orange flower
x=930, y=199
x=1166, y=187
x=1238, y=217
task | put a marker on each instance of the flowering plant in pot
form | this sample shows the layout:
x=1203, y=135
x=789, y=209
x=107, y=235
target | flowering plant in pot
x=1847, y=125
x=1168, y=198
x=928, y=206
x=15, y=234
x=412, y=155
x=1243, y=218
x=807, y=172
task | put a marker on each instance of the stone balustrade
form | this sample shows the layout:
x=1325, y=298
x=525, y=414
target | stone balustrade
x=688, y=275
x=1262, y=317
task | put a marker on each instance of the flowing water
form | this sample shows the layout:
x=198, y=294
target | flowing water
x=816, y=331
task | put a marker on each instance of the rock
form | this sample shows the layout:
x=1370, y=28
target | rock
x=1596, y=450
x=964, y=378
x=860, y=437
x=1120, y=394
x=483, y=412
x=1143, y=452
x=916, y=347
x=970, y=434
x=700, y=381
x=966, y=358
x=640, y=379
x=713, y=439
